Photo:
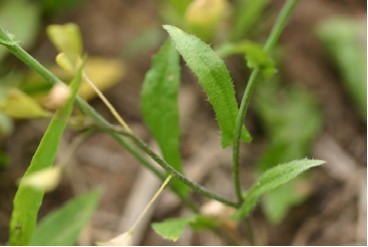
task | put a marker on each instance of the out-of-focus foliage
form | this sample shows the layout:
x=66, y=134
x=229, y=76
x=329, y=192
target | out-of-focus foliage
x=22, y=18
x=247, y=14
x=291, y=119
x=63, y=226
x=345, y=40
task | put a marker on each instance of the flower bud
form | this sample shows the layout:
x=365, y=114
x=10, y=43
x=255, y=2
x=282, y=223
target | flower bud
x=58, y=96
x=203, y=17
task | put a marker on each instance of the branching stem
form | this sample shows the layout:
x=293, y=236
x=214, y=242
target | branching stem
x=271, y=41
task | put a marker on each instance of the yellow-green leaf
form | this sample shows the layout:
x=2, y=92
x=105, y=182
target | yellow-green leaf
x=67, y=39
x=19, y=105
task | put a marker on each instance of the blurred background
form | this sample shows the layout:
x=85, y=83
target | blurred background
x=314, y=107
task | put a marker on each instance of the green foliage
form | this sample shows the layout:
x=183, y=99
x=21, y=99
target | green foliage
x=22, y=18
x=256, y=57
x=172, y=229
x=272, y=179
x=27, y=200
x=63, y=226
x=345, y=40
x=291, y=119
x=159, y=103
x=214, y=78
x=247, y=15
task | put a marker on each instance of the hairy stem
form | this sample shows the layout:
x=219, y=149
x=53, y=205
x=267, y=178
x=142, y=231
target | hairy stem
x=19, y=52
x=271, y=41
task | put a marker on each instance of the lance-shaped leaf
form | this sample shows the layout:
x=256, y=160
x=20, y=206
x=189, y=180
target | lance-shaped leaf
x=159, y=102
x=63, y=226
x=27, y=201
x=214, y=78
x=272, y=179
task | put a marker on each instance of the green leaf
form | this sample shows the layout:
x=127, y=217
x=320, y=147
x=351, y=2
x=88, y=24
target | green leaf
x=254, y=54
x=159, y=101
x=19, y=105
x=172, y=229
x=63, y=226
x=345, y=41
x=276, y=205
x=291, y=119
x=272, y=179
x=27, y=201
x=67, y=39
x=247, y=14
x=214, y=78
x=22, y=18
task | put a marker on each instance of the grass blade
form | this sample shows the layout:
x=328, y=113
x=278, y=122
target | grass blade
x=272, y=179
x=214, y=78
x=27, y=201
x=159, y=101
x=62, y=226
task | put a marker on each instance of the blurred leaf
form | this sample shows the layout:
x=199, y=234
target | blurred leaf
x=63, y=226
x=172, y=229
x=159, y=101
x=292, y=120
x=276, y=205
x=22, y=18
x=19, y=105
x=104, y=72
x=172, y=11
x=272, y=179
x=346, y=42
x=67, y=39
x=214, y=78
x=203, y=16
x=27, y=201
x=247, y=14
x=254, y=54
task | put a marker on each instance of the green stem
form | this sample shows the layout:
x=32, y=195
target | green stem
x=196, y=187
x=271, y=41
x=19, y=52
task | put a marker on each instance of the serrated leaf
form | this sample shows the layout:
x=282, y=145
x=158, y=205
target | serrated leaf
x=172, y=229
x=19, y=105
x=63, y=226
x=159, y=103
x=27, y=201
x=214, y=78
x=272, y=179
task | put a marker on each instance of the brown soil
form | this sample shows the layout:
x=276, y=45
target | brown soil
x=335, y=213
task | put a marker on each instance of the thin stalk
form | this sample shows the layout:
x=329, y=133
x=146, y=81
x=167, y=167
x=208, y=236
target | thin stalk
x=196, y=187
x=19, y=52
x=271, y=41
